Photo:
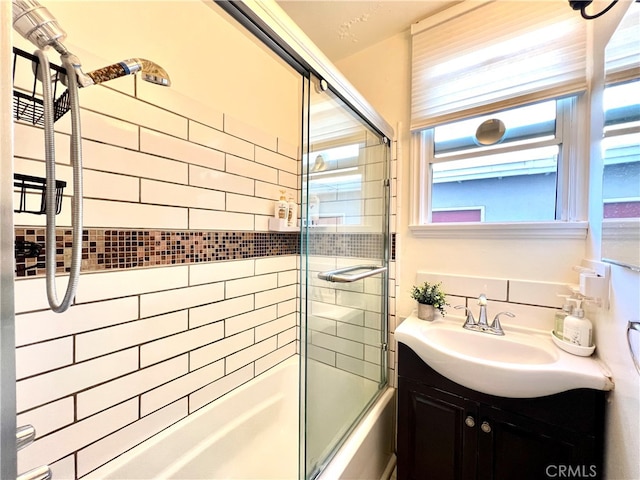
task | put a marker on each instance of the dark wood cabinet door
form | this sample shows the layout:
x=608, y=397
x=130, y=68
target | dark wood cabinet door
x=511, y=446
x=437, y=438
x=449, y=432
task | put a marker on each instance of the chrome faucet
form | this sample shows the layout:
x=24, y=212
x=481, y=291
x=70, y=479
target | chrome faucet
x=482, y=319
x=482, y=325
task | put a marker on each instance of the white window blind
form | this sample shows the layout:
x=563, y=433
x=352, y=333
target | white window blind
x=498, y=55
x=622, y=55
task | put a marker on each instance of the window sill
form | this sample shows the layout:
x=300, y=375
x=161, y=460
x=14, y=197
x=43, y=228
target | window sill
x=517, y=230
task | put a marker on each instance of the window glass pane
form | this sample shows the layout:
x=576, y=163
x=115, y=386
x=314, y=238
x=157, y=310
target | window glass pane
x=335, y=186
x=536, y=121
x=514, y=186
x=621, y=182
x=622, y=105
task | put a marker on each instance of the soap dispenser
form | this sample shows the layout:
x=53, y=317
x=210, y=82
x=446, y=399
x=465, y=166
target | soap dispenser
x=577, y=329
x=560, y=315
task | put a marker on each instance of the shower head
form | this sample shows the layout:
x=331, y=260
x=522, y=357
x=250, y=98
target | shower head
x=35, y=23
x=150, y=72
x=154, y=73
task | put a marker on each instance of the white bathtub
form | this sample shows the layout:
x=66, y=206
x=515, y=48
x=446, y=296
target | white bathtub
x=237, y=438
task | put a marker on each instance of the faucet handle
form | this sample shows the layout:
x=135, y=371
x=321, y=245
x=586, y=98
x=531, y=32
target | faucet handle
x=470, y=320
x=495, y=325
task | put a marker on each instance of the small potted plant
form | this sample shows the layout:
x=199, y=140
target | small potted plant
x=430, y=297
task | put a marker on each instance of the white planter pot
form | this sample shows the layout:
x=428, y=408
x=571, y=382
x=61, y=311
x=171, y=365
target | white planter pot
x=426, y=312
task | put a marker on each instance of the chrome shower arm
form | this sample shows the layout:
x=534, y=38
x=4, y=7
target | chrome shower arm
x=84, y=80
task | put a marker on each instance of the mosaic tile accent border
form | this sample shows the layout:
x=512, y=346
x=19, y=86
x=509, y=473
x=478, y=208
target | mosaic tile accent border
x=104, y=249
x=363, y=245
x=120, y=249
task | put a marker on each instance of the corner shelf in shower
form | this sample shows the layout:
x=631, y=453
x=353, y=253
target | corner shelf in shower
x=27, y=103
x=32, y=191
x=28, y=106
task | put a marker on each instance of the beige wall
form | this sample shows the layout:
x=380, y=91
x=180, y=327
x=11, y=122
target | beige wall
x=382, y=74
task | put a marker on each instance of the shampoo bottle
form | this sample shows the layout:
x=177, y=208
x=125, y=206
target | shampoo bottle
x=577, y=328
x=292, y=216
x=560, y=315
x=282, y=209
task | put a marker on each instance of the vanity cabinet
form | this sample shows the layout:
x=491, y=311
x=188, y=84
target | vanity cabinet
x=447, y=431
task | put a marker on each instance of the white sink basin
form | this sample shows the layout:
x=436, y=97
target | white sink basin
x=520, y=364
x=514, y=349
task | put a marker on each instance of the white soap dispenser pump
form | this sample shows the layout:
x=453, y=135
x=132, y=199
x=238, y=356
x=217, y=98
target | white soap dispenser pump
x=577, y=329
x=560, y=315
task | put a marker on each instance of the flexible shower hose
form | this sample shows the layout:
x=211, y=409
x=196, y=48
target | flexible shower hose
x=76, y=206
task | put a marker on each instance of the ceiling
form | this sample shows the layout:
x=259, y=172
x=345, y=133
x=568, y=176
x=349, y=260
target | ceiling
x=343, y=27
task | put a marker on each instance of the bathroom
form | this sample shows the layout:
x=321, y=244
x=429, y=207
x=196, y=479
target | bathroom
x=136, y=149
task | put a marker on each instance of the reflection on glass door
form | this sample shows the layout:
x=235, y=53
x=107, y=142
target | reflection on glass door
x=344, y=284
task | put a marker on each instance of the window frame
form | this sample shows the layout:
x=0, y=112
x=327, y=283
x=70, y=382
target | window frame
x=571, y=190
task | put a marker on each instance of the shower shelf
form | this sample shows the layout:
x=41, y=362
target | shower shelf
x=275, y=226
x=28, y=106
x=32, y=192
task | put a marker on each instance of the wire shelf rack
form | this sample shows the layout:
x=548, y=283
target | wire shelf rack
x=32, y=191
x=29, y=107
x=27, y=102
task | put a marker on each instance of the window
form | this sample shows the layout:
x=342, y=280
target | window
x=621, y=151
x=514, y=180
x=517, y=179
x=477, y=67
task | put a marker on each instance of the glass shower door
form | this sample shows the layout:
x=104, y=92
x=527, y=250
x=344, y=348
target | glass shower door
x=344, y=278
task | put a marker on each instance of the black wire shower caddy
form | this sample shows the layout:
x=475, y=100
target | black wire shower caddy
x=28, y=106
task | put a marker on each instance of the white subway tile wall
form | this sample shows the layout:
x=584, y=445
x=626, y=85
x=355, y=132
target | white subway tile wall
x=78, y=435
x=144, y=347
x=96, y=126
x=34, y=359
x=467, y=285
x=118, y=442
x=344, y=320
x=49, y=417
x=533, y=303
